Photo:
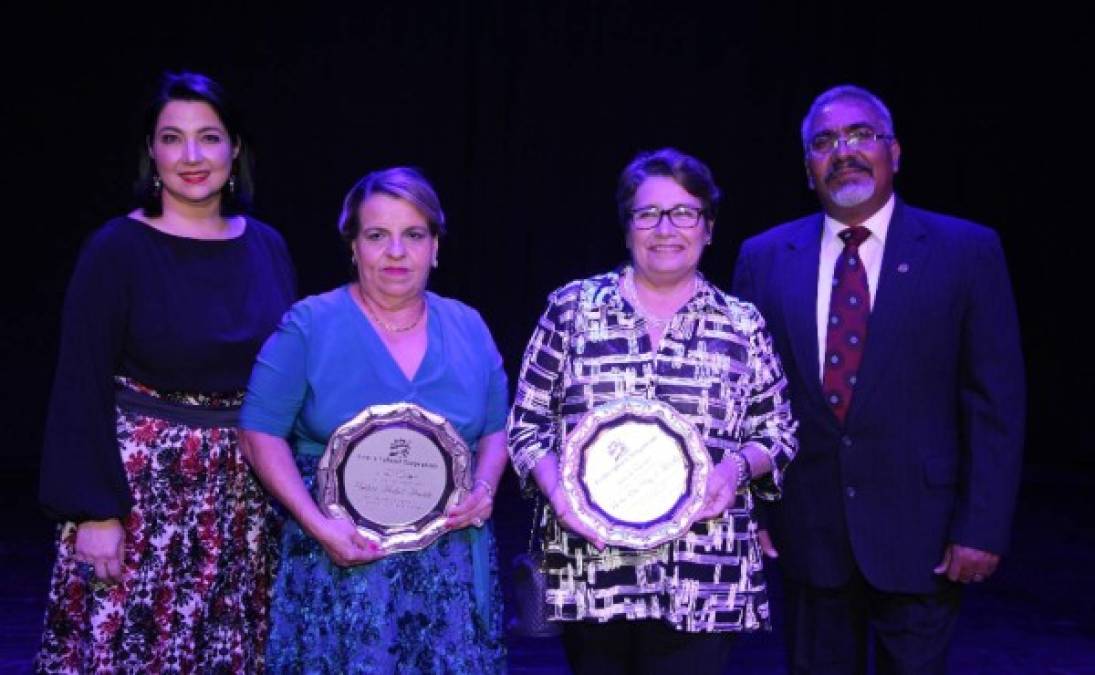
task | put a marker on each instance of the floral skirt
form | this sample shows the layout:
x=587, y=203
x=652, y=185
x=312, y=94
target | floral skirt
x=411, y=612
x=200, y=545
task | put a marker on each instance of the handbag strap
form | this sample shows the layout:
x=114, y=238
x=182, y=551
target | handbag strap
x=537, y=513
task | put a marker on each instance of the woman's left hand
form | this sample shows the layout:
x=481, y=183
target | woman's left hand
x=722, y=486
x=474, y=509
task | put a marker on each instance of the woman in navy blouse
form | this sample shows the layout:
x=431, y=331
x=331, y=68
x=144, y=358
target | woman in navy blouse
x=164, y=556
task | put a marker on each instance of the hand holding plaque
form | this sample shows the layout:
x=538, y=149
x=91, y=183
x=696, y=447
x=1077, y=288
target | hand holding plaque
x=393, y=470
x=635, y=472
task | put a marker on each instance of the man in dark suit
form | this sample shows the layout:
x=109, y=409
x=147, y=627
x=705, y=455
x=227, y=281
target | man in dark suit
x=898, y=332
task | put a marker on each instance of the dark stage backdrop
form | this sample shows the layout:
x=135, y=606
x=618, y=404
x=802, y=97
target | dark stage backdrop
x=523, y=114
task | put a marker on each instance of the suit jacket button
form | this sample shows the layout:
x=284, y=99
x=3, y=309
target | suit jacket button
x=846, y=441
x=850, y=491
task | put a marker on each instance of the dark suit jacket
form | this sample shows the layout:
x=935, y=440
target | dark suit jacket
x=931, y=449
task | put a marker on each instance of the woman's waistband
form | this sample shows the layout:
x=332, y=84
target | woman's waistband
x=131, y=400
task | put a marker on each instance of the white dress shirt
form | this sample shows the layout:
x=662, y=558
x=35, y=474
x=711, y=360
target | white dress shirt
x=870, y=253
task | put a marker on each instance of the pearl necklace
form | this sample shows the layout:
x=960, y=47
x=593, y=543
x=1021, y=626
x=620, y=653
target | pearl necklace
x=384, y=324
x=656, y=322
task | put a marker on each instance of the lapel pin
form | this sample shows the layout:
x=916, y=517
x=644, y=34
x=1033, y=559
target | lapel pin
x=903, y=267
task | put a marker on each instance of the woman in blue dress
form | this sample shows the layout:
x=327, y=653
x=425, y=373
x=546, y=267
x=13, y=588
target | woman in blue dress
x=340, y=604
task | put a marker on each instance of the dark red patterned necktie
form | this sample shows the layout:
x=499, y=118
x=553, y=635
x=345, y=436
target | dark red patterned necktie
x=846, y=335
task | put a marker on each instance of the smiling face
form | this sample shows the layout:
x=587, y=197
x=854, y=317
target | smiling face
x=851, y=182
x=192, y=152
x=666, y=253
x=393, y=248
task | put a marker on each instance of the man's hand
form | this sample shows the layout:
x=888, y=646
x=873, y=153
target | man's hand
x=964, y=564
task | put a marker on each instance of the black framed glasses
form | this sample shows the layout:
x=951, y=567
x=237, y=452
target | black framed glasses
x=680, y=216
x=860, y=137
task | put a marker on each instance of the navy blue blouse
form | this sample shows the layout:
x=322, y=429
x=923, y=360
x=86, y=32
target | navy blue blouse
x=174, y=313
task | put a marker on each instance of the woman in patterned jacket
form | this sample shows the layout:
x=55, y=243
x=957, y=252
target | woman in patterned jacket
x=656, y=329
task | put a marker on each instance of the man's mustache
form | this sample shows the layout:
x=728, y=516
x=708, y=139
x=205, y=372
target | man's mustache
x=850, y=163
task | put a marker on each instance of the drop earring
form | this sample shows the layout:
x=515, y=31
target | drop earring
x=157, y=184
x=231, y=185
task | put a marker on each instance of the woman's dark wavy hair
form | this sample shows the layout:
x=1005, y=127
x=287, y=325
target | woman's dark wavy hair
x=199, y=88
x=689, y=172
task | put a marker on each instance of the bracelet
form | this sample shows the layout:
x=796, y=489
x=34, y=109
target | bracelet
x=745, y=472
x=486, y=484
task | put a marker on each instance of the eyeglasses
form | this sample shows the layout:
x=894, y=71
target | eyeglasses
x=680, y=216
x=862, y=137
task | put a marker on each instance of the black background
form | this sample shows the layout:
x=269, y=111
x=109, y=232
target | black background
x=523, y=114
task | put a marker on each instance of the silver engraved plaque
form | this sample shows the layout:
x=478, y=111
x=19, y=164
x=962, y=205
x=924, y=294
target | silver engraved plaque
x=394, y=470
x=635, y=471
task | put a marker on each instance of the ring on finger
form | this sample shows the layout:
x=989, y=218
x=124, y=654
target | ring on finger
x=478, y=522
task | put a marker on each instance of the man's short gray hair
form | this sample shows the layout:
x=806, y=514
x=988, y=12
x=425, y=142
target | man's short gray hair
x=847, y=91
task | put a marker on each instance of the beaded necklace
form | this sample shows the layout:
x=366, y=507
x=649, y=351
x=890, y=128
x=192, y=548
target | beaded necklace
x=384, y=324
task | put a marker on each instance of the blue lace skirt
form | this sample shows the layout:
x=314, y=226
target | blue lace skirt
x=408, y=613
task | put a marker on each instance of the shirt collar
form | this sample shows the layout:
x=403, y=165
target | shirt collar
x=702, y=300
x=878, y=223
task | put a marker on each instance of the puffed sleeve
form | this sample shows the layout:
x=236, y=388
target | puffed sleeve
x=534, y=421
x=768, y=423
x=82, y=477
x=279, y=380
